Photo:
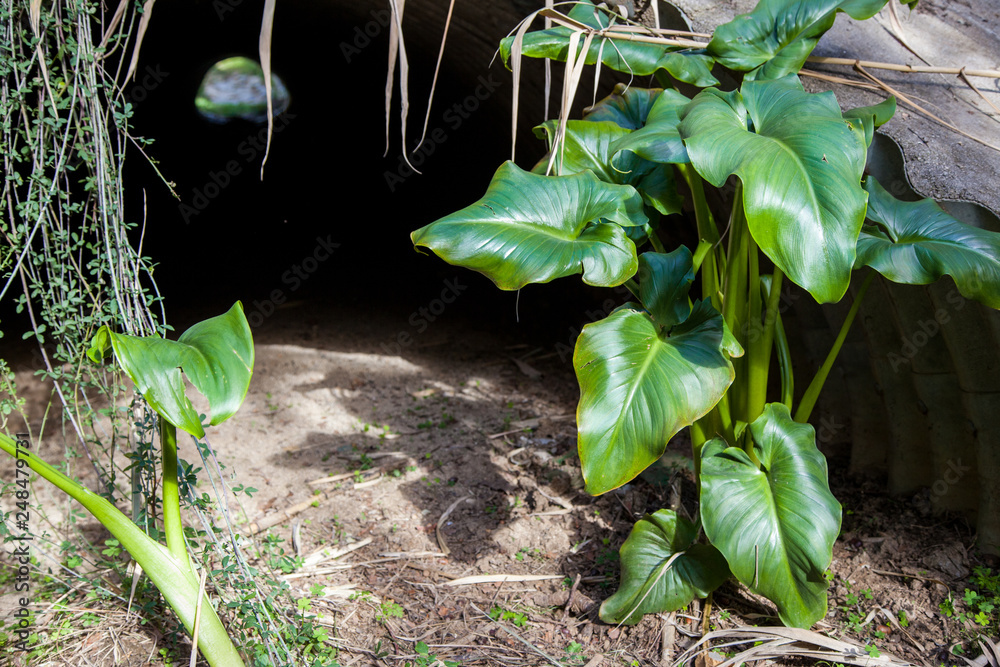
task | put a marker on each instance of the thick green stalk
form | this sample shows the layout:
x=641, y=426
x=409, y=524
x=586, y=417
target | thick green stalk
x=172, y=525
x=755, y=351
x=701, y=253
x=762, y=339
x=784, y=362
x=173, y=577
x=655, y=240
x=734, y=301
x=708, y=233
x=812, y=392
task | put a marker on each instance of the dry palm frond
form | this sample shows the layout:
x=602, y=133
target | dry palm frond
x=266, y=29
x=147, y=14
x=776, y=643
x=437, y=70
x=990, y=656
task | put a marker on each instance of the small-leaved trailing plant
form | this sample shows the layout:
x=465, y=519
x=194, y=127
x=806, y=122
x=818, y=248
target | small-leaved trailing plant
x=217, y=356
x=803, y=210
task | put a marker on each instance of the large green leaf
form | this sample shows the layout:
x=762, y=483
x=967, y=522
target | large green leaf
x=216, y=355
x=588, y=145
x=622, y=55
x=778, y=35
x=915, y=243
x=658, y=140
x=627, y=106
x=650, y=581
x=800, y=163
x=640, y=385
x=775, y=524
x=530, y=228
x=664, y=282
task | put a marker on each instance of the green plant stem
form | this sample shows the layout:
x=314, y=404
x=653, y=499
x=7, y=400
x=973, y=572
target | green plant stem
x=760, y=349
x=708, y=233
x=784, y=362
x=808, y=401
x=174, y=578
x=707, y=229
x=633, y=287
x=701, y=252
x=655, y=240
x=734, y=300
x=172, y=525
x=755, y=350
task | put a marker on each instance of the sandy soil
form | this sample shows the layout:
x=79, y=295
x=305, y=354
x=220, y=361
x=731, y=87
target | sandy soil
x=454, y=456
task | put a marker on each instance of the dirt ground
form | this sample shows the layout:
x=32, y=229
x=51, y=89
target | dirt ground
x=455, y=456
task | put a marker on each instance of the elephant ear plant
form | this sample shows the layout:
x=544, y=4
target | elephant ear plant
x=217, y=356
x=803, y=210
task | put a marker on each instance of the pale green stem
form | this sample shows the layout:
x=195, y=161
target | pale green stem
x=760, y=357
x=784, y=363
x=700, y=253
x=655, y=240
x=812, y=392
x=172, y=526
x=633, y=287
x=174, y=577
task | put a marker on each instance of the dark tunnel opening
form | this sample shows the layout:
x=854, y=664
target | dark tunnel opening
x=330, y=222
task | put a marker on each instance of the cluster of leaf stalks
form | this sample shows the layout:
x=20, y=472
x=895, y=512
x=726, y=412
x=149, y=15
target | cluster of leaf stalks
x=71, y=261
x=803, y=210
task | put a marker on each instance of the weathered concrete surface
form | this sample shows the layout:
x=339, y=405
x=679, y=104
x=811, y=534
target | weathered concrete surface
x=947, y=33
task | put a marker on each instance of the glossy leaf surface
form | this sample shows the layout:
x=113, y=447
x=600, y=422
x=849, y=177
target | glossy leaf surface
x=627, y=106
x=775, y=524
x=916, y=243
x=530, y=228
x=640, y=384
x=800, y=163
x=778, y=35
x=659, y=139
x=217, y=356
x=589, y=145
x=650, y=581
x=664, y=282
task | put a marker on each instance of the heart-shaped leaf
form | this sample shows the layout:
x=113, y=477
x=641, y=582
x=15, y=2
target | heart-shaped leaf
x=652, y=580
x=640, y=385
x=622, y=55
x=915, y=243
x=588, y=145
x=801, y=166
x=778, y=35
x=775, y=524
x=664, y=282
x=627, y=106
x=216, y=355
x=658, y=140
x=530, y=228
